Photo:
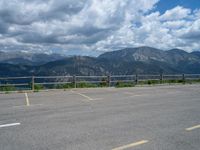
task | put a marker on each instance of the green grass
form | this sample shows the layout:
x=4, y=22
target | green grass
x=174, y=81
x=86, y=85
x=38, y=87
x=7, y=89
x=192, y=81
x=153, y=82
x=121, y=84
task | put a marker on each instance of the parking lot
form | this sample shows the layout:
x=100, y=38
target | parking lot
x=138, y=118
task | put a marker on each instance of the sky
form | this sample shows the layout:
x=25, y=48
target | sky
x=91, y=27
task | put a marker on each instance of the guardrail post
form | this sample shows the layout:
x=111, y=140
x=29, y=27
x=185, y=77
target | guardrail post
x=161, y=78
x=108, y=80
x=74, y=81
x=33, y=83
x=136, y=79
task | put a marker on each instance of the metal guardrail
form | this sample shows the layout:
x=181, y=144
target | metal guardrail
x=30, y=82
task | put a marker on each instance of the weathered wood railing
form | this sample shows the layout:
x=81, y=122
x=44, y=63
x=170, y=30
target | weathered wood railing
x=35, y=82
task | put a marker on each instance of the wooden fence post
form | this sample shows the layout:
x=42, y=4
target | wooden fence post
x=108, y=80
x=74, y=81
x=183, y=77
x=161, y=78
x=33, y=83
x=136, y=79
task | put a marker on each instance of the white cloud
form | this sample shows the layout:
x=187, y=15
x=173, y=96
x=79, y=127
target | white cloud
x=175, y=13
x=176, y=24
x=94, y=25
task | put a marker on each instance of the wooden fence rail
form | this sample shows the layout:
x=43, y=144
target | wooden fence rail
x=30, y=82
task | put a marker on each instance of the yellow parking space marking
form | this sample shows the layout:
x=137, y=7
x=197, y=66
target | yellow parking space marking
x=83, y=95
x=131, y=145
x=23, y=106
x=136, y=95
x=129, y=93
x=87, y=97
x=27, y=100
x=193, y=128
x=9, y=125
x=132, y=94
x=96, y=99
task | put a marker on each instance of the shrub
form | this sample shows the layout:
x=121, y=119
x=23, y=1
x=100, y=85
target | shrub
x=153, y=82
x=104, y=82
x=180, y=81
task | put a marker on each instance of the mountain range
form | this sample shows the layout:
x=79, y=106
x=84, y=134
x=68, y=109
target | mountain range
x=141, y=60
x=25, y=58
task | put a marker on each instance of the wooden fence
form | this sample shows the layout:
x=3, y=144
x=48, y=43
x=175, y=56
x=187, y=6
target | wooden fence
x=32, y=82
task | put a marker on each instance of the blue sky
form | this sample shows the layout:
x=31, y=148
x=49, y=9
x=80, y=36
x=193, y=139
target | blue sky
x=91, y=27
x=164, y=5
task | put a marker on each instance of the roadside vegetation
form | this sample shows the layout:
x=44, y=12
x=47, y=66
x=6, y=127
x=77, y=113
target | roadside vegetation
x=153, y=82
x=102, y=83
x=121, y=84
x=38, y=87
x=7, y=89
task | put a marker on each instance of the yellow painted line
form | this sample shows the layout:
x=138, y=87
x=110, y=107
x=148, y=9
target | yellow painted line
x=136, y=95
x=129, y=93
x=21, y=106
x=95, y=99
x=193, y=128
x=132, y=94
x=131, y=145
x=83, y=95
x=27, y=100
x=89, y=98
x=9, y=125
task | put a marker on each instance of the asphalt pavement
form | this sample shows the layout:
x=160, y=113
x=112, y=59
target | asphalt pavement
x=137, y=118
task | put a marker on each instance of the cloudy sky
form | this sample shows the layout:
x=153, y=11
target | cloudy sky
x=90, y=27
